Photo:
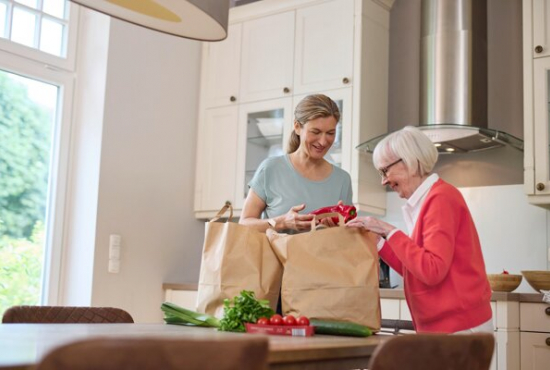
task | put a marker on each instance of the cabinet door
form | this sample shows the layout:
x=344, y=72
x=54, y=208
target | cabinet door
x=222, y=62
x=541, y=86
x=264, y=129
x=541, y=31
x=267, y=57
x=216, y=160
x=340, y=152
x=324, y=46
x=535, y=351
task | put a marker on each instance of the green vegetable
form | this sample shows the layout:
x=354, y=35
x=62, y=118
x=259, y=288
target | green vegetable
x=242, y=309
x=174, y=314
x=340, y=328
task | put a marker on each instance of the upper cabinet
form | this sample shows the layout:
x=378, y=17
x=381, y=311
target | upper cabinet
x=267, y=57
x=324, y=46
x=277, y=52
x=536, y=64
x=221, y=65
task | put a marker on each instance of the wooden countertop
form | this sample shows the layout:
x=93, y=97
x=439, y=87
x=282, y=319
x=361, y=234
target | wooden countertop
x=399, y=294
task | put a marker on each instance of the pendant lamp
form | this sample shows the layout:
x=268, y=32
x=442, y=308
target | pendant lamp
x=204, y=20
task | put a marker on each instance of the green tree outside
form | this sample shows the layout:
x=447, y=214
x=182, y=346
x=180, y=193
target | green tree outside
x=25, y=139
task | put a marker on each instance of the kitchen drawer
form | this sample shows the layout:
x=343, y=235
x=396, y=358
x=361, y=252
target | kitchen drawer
x=535, y=351
x=184, y=298
x=535, y=317
x=390, y=308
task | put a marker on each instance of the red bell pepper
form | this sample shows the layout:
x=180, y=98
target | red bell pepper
x=349, y=212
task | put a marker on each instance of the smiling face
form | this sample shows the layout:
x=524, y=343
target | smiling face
x=316, y=136
x=399, y=178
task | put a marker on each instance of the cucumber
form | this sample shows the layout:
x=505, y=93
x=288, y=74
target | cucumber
x=340, y=328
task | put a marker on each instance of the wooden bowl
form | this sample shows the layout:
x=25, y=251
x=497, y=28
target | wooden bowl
x=504, y=282
x=539, y=280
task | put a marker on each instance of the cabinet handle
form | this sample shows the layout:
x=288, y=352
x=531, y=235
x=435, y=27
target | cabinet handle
x=548, y=341
x=547, y=311
x=540, y=186
x=345, y=80
x=286, y=90
x=233, y=98
x=538, y=49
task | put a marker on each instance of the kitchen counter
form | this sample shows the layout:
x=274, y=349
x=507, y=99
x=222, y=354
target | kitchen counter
x=399, y=294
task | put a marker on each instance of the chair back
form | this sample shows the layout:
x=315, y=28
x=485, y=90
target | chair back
x=65, y=315
x=241, y=352
x=434, y=351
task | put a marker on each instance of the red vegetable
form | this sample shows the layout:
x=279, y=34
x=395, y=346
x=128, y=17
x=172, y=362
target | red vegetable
x=302, y=320
x=505, y=272
x=289, y=320
x=276, y=320
x=263, y=321
x=349, y=212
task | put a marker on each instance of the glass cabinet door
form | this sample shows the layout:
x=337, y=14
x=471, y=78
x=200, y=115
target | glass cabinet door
x=264, y=128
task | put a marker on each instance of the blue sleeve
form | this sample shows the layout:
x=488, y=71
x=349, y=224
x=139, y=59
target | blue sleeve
x=258, y=182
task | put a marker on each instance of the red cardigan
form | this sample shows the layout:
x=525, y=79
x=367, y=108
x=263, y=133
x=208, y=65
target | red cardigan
x=443, y=271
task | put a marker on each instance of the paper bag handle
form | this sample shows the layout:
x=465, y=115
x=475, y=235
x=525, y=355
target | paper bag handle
x=341, y=221
x=223, y=210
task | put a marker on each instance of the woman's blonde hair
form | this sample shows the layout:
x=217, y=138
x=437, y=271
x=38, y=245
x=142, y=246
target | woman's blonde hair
x=412, y=146
x=309, y=108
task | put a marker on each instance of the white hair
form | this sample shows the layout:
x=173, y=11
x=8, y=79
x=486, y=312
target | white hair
x=412, y=146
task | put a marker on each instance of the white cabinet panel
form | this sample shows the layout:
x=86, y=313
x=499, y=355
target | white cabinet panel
x=541, y=29
x=324, y=46
x=267, y=57
x=390, y=308
x=184, y=298
x=222, y=62
x=535, y=351
x=216, y=159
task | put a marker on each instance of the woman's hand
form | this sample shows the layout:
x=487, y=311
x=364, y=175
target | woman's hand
x=372, y=224
x=327, y=221
x=296, y=221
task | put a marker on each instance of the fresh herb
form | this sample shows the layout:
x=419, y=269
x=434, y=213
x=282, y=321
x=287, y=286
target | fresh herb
x=242, y=309
x=174, y=314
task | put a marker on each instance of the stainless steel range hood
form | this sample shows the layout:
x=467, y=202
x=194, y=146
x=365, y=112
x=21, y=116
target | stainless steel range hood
x=453, y=75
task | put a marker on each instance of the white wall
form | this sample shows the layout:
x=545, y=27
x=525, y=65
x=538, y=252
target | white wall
x=139, y=172
x=513, y=234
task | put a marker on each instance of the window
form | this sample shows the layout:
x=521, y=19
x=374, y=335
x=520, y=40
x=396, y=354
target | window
x=35, y=119
x=39, y=29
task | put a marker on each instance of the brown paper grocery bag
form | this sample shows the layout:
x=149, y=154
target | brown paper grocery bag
x=330, y=274
x=235, y=258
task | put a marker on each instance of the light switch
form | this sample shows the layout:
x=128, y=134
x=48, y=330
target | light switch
x=114, y=254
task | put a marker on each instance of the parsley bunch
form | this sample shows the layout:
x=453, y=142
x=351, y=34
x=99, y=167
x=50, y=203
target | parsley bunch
x=243, y=308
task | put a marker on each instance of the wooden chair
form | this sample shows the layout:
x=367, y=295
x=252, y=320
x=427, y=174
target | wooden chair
x=65, y=315
x=241, y=352
x=434, y=351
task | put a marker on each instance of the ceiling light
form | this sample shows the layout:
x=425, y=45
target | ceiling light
x=204, y=20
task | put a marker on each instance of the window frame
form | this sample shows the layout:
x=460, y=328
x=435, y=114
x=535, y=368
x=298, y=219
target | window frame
x=68, y=63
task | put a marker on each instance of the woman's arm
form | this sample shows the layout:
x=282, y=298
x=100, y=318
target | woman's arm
x=292, y=220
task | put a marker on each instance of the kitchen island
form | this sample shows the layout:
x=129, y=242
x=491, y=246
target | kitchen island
x=23, y=345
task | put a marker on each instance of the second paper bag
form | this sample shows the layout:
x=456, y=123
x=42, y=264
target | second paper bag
x=330, y=274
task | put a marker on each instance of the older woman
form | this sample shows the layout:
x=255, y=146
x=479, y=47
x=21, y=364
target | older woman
x=286, y=188
x=443, y=271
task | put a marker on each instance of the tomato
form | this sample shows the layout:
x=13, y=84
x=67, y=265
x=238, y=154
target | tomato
x=505, y=272
x=263, y=321
x=302, y=320
x=276, y=320
x=289, y=320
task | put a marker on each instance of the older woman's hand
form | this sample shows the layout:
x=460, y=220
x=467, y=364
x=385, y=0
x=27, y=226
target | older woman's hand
x=372, y=224
x=296, y=221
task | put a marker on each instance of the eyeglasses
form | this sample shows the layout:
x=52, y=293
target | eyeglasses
x=384, y=170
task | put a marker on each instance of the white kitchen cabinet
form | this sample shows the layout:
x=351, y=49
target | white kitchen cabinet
x=267, y=57
x=222, y=62
x=540, y=46
x=264, y=129
x=340, y=48
x=324, y=46
x=535, y=336
x=536, y=85
x=216, y=160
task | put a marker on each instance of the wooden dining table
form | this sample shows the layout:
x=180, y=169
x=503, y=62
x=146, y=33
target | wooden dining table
x=23, y=345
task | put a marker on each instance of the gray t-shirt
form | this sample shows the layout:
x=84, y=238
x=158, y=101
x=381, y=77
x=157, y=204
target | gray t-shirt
x=281, y=187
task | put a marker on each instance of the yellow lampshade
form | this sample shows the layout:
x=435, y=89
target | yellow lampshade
x=204, y=20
